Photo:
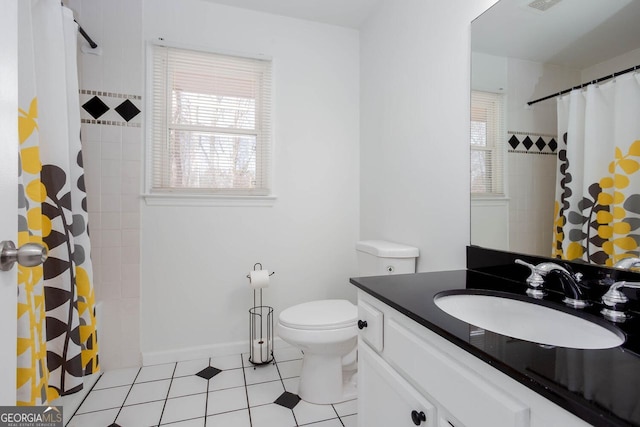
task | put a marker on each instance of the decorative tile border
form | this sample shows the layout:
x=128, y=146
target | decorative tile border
x=110, y=122
x=110, y=108
x=531, y=143
x=109, y=94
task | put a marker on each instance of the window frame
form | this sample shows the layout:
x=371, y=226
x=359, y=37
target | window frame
x=203, y=196
x=495, y=145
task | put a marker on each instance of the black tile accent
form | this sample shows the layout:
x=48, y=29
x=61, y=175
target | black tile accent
x=528, y=143
x=209, y=372
x=95, y=107
x=514, y=142
x=553, y=145
x=288, y=400
x=540, y=144
x=127, y=110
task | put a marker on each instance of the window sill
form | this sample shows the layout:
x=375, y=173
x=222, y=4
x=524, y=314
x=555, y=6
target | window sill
x=207, y=200
x=489, y=198
x=495, y=201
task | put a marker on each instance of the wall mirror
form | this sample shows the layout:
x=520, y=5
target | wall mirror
x=523, y=50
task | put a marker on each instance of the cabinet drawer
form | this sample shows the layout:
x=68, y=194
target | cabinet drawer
x=454, y=386
x=370, y=323
x=386, y=399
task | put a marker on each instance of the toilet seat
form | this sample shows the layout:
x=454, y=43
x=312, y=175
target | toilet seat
x=320, y=315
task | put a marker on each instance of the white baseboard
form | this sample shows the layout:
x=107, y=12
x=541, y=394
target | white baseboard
x=200, y=352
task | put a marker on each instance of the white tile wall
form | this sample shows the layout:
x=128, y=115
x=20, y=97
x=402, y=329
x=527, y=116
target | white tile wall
x=531, y=183
x=113, y=166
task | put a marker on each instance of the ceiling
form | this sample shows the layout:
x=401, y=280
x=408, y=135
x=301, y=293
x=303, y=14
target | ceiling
x=574, y=33
x=344, y=13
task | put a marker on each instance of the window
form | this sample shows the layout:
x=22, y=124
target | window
x=487, y=144
x=211, y=123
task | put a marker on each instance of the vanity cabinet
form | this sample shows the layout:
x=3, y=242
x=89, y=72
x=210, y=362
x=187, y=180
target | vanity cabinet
x=388, y=399
x=412, y=376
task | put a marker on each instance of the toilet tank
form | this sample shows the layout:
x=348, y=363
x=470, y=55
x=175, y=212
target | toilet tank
x=379, y=257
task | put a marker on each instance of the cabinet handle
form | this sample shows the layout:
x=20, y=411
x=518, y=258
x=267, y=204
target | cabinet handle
x=362, y=324
x=418, y=417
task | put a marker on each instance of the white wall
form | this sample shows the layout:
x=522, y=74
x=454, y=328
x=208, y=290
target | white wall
x=613, y=65
x=532, y=195
x=490, y=223
x=195, y=259
x=414, y=127
x=489, y=73
x=530, y=80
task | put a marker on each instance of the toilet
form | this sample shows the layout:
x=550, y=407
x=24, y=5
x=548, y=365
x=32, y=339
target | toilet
x=326, y=331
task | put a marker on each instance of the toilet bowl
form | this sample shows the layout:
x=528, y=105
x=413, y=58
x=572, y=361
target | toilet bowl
x=326, y=332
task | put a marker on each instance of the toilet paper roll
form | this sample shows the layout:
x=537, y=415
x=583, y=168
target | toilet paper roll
x=260, y=351
x=259, y=279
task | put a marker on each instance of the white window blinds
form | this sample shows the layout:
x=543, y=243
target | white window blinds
x=487, y=144
x=211, y=123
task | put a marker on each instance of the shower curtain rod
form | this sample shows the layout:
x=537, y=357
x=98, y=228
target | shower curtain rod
x=86, y=36
x=83, y=33
x=601, y=79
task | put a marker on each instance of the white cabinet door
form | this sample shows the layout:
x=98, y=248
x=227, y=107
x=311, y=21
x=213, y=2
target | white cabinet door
x=371, y=325
x=448, y=381
x=385, y=399
x=8, y=195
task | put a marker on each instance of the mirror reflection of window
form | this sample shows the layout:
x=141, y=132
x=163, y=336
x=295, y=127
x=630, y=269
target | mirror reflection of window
x=487, y=144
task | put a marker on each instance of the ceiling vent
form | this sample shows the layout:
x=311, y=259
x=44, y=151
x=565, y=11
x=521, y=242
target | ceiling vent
x=543, y=5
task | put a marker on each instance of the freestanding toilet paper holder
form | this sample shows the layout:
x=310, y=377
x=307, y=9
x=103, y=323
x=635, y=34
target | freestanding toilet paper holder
x=260, y=327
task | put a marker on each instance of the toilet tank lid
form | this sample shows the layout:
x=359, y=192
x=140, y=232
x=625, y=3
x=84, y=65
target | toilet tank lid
x=383, y=248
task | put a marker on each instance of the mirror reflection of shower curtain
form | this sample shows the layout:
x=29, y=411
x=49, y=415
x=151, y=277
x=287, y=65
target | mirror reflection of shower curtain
x=57, y=342
x=597, y=207
x=601, y=376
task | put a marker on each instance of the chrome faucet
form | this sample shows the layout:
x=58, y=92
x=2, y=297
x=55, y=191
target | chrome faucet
x=615, y=302
x=627, y=263
x=574, y=295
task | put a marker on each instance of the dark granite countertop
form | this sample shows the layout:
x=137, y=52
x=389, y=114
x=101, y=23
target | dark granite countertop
x=600, y=386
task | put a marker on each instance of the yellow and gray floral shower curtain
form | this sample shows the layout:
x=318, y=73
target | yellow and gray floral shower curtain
x=57, y=343
x=597, y=208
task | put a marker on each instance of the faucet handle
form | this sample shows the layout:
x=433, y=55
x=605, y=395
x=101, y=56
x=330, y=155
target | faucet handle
x=535, y=281
x=521, y=262
x=615, y=302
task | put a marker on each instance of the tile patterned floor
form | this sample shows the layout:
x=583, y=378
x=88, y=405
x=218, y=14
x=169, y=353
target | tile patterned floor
x=237, y=395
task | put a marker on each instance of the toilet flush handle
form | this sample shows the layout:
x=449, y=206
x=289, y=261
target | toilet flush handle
x=362, y=324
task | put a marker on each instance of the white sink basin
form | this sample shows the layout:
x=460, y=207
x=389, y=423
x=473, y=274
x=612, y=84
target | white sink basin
x=503, y=314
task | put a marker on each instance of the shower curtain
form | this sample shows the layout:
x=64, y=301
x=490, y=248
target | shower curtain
x=597, y=207
x=57, y=341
